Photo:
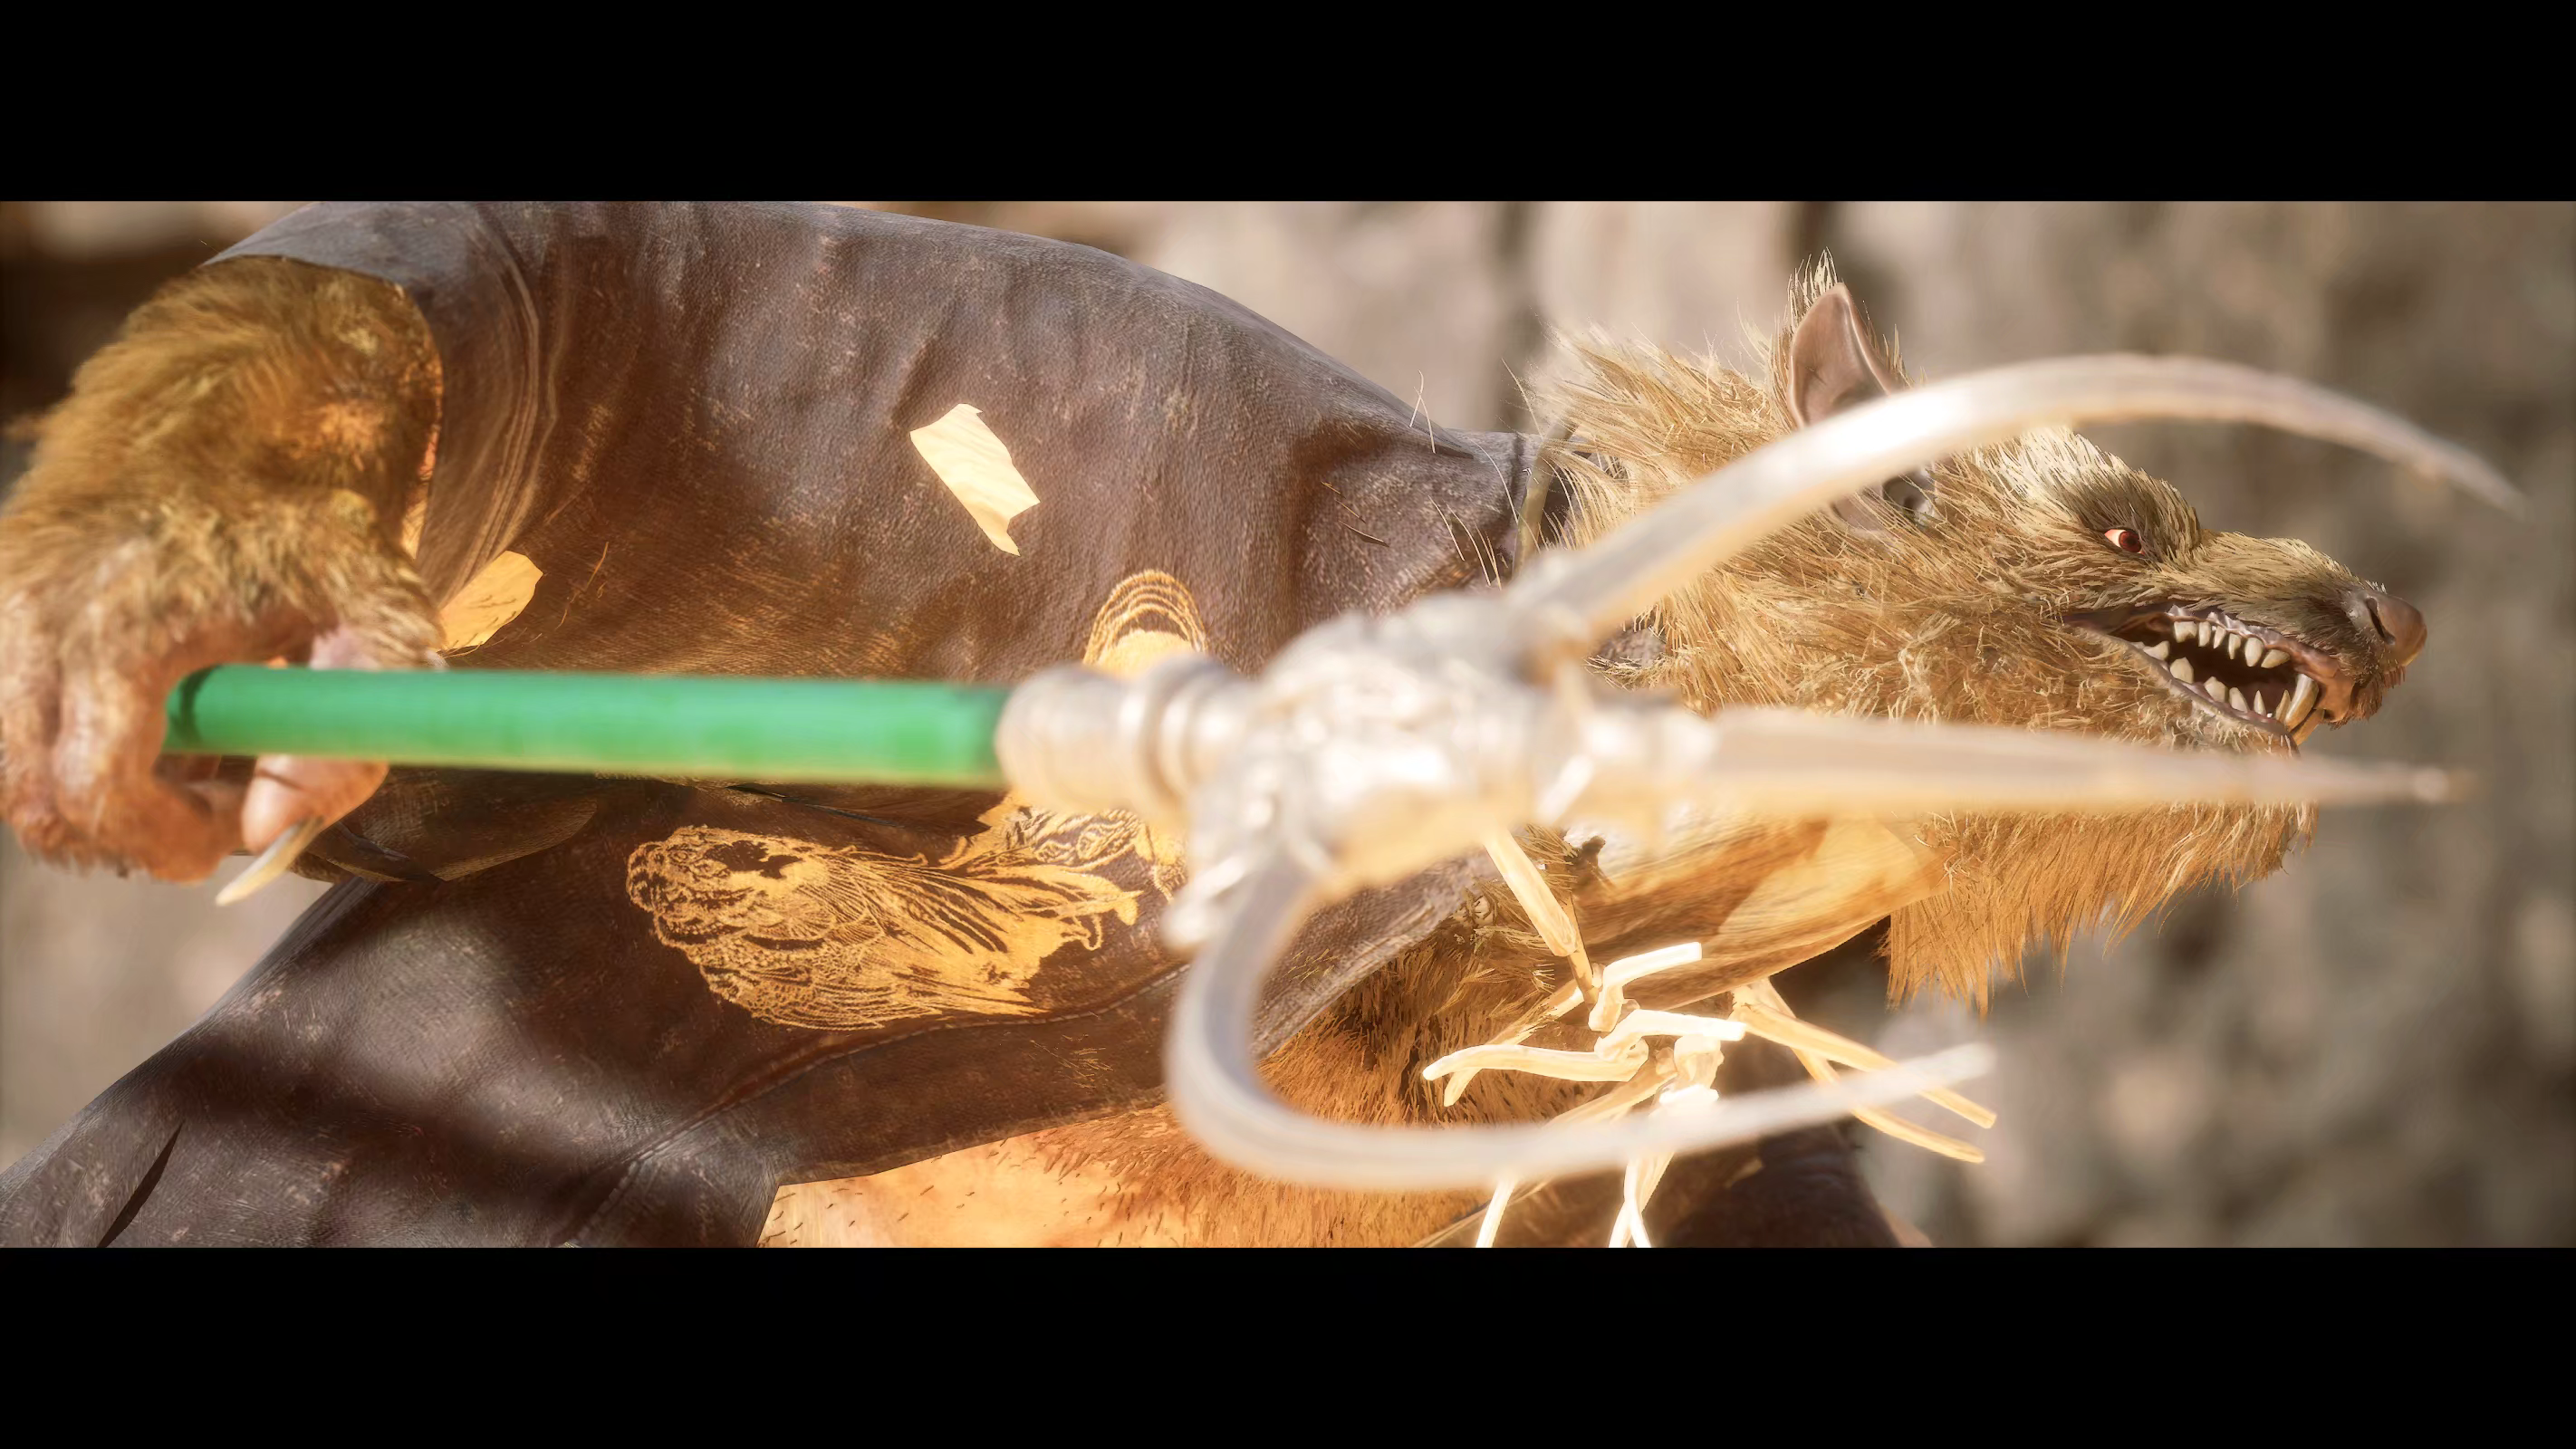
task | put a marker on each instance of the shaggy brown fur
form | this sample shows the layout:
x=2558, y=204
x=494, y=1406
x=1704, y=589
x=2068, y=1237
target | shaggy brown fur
x=226, y=482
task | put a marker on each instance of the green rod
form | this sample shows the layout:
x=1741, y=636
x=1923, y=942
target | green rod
x=689, y=726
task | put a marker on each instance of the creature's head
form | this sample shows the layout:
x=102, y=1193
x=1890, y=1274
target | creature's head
x=2041, y=583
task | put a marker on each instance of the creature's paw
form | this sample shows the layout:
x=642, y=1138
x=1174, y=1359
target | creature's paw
x=98, y=636
x=225, y=485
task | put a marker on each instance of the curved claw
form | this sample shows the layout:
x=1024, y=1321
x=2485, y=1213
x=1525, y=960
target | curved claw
x=272, y=862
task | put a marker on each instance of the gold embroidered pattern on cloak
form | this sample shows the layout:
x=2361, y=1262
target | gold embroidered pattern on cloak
x=846, y=938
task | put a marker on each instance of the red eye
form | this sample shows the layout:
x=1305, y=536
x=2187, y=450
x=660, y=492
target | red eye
x=2126, y=540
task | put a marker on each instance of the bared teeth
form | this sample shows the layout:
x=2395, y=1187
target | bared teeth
x=2288, y=707
x=2303, y=697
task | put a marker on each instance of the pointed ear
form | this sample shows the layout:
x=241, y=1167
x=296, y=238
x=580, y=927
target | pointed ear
x=1833, y=367
x=1831, y=364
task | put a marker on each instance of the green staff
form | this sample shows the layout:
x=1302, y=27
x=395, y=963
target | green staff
x=689, y=726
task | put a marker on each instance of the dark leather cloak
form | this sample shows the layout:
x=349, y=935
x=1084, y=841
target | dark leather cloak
x=548, y=1009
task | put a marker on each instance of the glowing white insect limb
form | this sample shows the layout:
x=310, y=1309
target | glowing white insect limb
x=1641, y=1023
x=1616, y=1102
x=1695, y=1061
x=1240, y=1121
x=1529, y=887
x=1776, y=1024
x=1556, y=1006
x=1620, y=1100
x=1602, y=1065
x=1765, y=1014
x=1618, y=974
x=1493, y=1223
x=1614, y=1058
x=1505, y=1053
x=1904, y=1131
x=1630, y=1230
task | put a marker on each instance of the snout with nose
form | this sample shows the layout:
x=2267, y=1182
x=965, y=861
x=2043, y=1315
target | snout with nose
x=2395, y=623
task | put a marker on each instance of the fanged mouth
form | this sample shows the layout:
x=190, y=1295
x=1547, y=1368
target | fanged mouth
x=2243, y=672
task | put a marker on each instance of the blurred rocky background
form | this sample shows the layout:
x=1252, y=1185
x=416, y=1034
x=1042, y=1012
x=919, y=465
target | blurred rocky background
x=2376, y=1046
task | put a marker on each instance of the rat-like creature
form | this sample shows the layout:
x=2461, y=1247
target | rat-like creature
x=701, y=429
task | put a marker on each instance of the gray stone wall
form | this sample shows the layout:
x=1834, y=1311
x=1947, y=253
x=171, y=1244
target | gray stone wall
x=2377, y=1046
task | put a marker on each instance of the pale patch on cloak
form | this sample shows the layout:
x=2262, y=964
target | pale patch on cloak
x=975, y=465
x=492, y=598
